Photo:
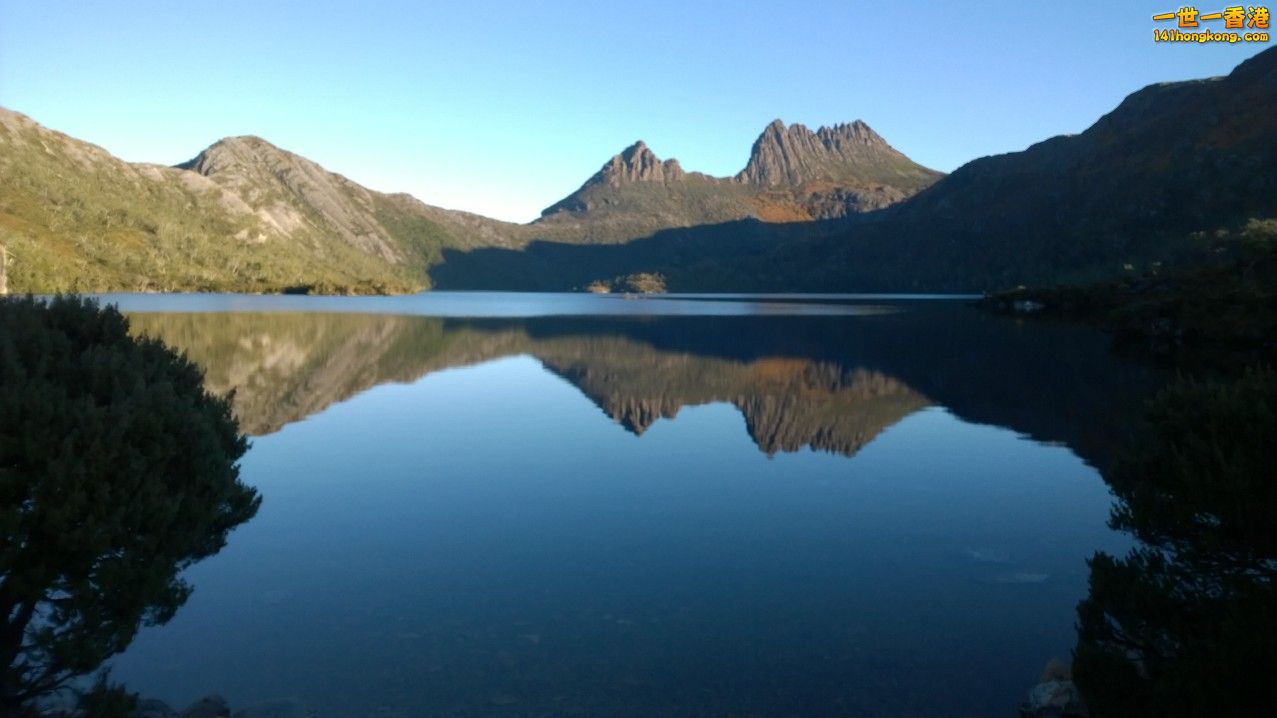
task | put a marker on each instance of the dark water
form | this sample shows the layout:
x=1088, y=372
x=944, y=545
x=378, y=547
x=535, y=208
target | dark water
x=593, y=506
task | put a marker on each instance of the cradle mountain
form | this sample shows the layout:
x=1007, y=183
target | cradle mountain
x=831, y=209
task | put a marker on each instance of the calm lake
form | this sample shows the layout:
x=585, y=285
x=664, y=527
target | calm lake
x=480, y=503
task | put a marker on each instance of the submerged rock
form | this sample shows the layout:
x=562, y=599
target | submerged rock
x=153, y=708
x=213, y=706
x=285, y=708
x=1019, y=578
x=1055, y=698
x=987, y=555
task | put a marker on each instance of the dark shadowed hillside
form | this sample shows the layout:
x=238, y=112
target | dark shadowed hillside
x=1174, y=168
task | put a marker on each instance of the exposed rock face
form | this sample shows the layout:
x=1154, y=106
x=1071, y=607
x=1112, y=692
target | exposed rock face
x=293, y=194
x=636, y=163
x=850, y=153
x=842, y=201
x=255, y=170
x=1054, y=699
x=793, y=174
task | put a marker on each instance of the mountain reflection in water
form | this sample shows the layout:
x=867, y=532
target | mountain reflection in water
x=661, y=507
x=818, y=382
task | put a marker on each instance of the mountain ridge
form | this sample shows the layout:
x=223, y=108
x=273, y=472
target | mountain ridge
x=1177, y=172
x=246, y=215
x=848, y=152
x=834, y=209
x=793, y=174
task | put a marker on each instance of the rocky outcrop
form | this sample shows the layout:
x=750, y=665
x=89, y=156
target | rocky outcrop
x=636, y=163
x=294, y=195
x=291, y=193
x=850, y=153
x=214, y=706
x=793, y=174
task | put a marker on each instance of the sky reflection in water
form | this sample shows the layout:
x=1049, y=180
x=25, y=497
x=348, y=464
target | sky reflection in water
x=881, y=512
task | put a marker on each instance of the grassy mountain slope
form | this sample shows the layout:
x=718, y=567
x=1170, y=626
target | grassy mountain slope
x=243, y=215
x=76, y=218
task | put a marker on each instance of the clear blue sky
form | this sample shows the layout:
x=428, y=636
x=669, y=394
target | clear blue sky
x=504, y=107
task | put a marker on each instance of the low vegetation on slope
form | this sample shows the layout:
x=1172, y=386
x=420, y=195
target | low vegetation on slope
x=242, y=216
x=1219, y=316
x=74, y=218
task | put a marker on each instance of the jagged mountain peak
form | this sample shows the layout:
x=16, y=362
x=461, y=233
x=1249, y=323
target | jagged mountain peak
x=850, y=152
x=827, y=172
x=855, y=128
x=634, y=164
x=638, y=163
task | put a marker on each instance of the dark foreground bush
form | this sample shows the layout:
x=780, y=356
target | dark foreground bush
x=1186, y=623
x=117, y=471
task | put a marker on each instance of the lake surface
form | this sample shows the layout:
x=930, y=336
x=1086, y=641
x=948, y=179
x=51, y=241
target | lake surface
x=480, y=503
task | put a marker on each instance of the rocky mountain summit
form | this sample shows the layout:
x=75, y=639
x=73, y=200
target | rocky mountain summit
x=636, y=163
x=850, y=153
x=793, y=174
x=1177, y=173
x=291, y=193
x=639, y=164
